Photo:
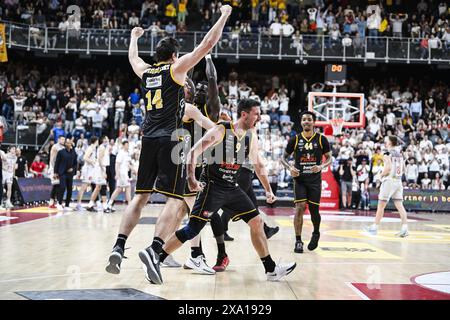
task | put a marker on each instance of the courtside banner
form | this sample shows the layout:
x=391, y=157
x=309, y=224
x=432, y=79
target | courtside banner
x=3, y=53
x=329, y=199
x=418, y=199
x=34, y=189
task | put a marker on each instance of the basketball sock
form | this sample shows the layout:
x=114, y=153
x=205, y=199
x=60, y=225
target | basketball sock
x=221, y=253
x=404, y=227
x=196, y=252
x=298, y=238
x=91, y=203
x=268, y=263
x=163, y=255
x=157, y=244
x=315, y=216
x=121, y=239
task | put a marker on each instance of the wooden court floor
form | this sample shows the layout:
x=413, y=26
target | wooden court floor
x=42, y=251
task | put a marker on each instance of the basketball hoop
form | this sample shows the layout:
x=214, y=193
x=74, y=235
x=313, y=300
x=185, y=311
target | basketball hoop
x=337, y=124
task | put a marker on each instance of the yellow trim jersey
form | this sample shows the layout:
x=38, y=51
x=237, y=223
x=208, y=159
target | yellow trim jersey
x=308, y=153
x=227, y=157
x=164, y=101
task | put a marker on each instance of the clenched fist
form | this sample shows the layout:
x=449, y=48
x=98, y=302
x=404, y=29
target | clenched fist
x=226, y=10
x=137, y=32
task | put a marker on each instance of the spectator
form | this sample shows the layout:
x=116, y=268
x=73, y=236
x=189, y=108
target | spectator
x=58, y=131
x=182, y=11
x=397, y=24
x=426, y=182
x=346, y=173
x=436, y=183
x=275, y=28
x=97, y=123
x=37, y=167
x=133, y=21
x=412, y=173
x=416, y=109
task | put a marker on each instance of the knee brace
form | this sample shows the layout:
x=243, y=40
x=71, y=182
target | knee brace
x=191, y=230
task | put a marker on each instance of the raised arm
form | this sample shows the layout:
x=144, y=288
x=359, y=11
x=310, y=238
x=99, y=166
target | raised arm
x=213, y=102
x=191, y=112
x=186, y=62
x=138, y=65
x=211, y=137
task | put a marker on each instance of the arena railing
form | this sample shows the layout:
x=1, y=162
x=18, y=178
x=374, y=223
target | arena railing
x=251, y=46
x=31, y=135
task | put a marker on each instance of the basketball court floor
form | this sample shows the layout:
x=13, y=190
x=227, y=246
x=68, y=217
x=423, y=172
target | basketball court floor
x=49, y=255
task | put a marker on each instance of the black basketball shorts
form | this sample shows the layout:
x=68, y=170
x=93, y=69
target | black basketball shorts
x=161, y=167
x=215, y=196
x=309, y=191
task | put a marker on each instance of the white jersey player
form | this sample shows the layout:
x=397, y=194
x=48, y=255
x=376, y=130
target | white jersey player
x=391, y=185
x=88, y=170
x=99, y=175
x=8, y=171
x=123, y=166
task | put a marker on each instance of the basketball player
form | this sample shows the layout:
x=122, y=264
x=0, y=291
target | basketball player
x=100, y=176
x=8, y=170
x=308, y=147
x=88, y=171
x=162, y=86
x=53, y=179
x=391, y=185
x=234, y=144
x=205, y=98
x=123, y=165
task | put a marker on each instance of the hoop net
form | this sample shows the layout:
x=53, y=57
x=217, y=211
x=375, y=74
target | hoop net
x=337, y=125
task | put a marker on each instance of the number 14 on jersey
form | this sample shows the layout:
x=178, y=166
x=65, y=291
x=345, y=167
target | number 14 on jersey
x=156, y=101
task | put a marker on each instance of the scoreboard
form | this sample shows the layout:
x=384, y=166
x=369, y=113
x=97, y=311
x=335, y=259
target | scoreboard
x=335, y=72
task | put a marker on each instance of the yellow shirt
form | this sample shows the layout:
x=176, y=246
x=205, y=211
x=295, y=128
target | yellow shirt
x=255, y=3
x=171, y=11
x=383, y=25
x=236, y=3
x=281, y=5
x=273, y=3
x=284, y=18
x=182, y=6
x=376, y=157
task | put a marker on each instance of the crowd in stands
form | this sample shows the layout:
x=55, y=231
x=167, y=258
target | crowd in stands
x=96, y=103
x=426, y=21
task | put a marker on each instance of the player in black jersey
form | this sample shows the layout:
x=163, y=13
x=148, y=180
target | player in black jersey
x=160, y=171
x=308, y=147
x=227, y=146
x=206, y=99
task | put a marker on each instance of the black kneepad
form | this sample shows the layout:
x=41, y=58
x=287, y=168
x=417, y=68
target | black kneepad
x=190, y=231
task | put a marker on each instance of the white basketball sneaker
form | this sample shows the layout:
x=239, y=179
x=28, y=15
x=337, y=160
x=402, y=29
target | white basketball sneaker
x=199, y=265
x=170, y=262
x=403, y=233
x=281, y=270
x=372, y=230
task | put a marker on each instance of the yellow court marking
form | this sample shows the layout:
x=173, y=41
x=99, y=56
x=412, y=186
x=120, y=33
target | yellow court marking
x=37, y=210
x=444, y=227
x=352, y=250
x=389, y=235
x=290, y=223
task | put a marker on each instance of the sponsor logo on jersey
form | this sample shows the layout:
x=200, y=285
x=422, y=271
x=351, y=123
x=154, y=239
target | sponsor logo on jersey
x=153, y=82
